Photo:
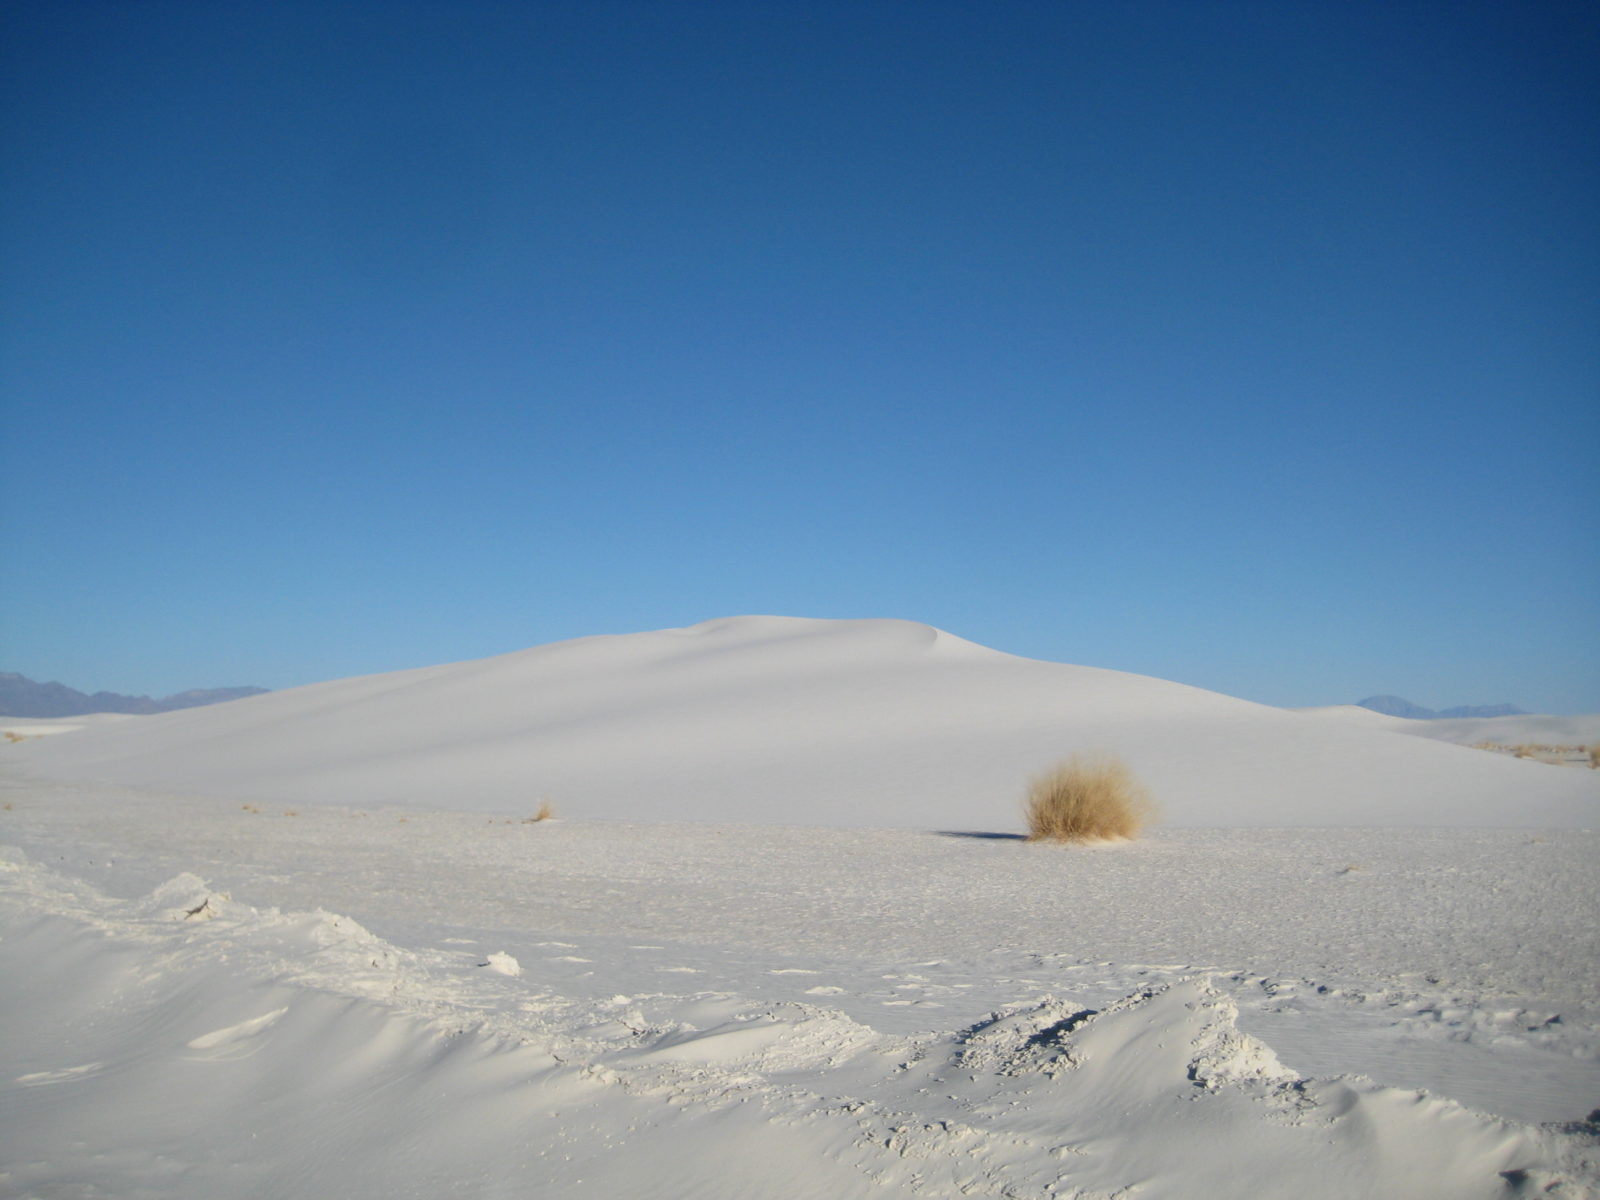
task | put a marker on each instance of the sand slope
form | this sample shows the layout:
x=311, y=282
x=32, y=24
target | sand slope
x=788, y=720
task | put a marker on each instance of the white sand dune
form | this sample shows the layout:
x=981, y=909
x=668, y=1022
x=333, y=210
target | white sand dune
x=772, y=719
x=1355, y=714
x=1538, y=728
x=709, y=994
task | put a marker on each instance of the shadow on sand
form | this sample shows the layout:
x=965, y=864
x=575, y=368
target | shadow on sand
x=981, y=835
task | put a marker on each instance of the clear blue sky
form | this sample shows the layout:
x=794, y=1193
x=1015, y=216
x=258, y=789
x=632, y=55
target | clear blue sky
x=1251, y=345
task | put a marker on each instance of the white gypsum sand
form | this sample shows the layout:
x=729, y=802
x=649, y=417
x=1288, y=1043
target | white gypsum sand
x=661, y=1007
x=1536, y=728
x=32, y=727
x=774, y=719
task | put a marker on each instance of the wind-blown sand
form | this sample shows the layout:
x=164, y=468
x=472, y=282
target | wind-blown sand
x=909, y=1003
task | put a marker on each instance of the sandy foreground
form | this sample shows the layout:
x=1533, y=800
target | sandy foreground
x=588, y=1008
x=784, y=940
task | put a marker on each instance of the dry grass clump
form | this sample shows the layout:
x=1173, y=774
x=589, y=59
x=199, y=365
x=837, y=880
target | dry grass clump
x=1594, y=757
x=1087, y=799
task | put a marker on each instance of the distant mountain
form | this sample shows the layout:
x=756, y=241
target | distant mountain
x=1395, y=706
x=22, y=697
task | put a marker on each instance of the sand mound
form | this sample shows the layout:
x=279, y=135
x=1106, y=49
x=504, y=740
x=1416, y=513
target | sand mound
x=785, y=720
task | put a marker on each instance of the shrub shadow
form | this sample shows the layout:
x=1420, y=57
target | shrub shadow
x=981, y=835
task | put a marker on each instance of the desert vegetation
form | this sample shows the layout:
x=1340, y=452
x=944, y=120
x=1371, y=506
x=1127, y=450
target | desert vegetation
x=1088, y=798
x=1560, y=755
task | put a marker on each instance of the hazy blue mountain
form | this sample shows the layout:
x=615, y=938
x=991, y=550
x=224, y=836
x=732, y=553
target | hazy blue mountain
x=22, y=697
x=1396, y=706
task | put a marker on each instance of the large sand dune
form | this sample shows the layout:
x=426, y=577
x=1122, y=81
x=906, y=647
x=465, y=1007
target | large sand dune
x=698, y=1003
x=773, y=719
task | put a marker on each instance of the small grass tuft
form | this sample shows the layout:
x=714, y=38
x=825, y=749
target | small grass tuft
x=1087, y=799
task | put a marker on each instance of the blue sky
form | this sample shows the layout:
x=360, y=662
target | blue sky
x=1251, y=345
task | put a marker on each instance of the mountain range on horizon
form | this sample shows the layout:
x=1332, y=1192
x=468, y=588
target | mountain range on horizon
x=24, y=697
x=1397, y=706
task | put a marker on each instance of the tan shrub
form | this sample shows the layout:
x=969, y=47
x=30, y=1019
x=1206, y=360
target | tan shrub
x=1087, y=799
x=1594, y=757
